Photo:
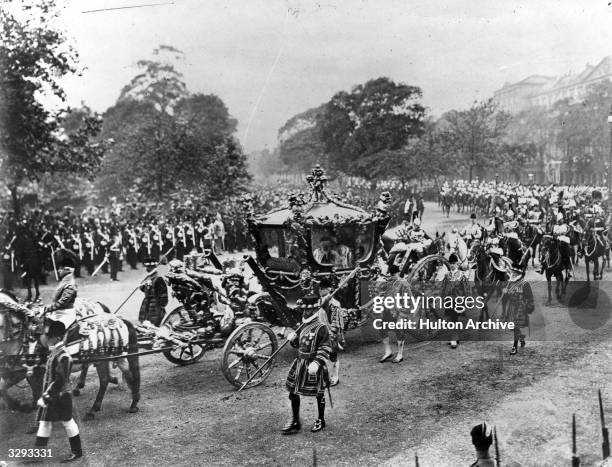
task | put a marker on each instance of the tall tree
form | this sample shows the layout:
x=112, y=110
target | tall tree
x=167, y=139
x=34, y=56
x=300, y=141
x=475, y=135
x=377, y=116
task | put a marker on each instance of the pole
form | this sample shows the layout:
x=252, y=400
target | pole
x=605, y=445
x=53, y=261
x=575, y=458
x=610, y=159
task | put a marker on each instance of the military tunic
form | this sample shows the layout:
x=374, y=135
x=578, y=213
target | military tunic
x=57, y=386
x=62, y=308
x=313, y=344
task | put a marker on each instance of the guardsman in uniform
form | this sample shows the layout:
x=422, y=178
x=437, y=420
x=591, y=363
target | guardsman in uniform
x=518, y=304
x=130, y=240
x=7, y=261
x=308, y=374
x=180, y=242
x=482, y=438
x=89, y=250
x=473, y=231
x=114, y=254
x=560, y=232
x=56, y=401
x=153, y=307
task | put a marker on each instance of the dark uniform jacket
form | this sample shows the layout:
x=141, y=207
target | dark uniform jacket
x=155, y=300
x=57, y=386
x=65, y=294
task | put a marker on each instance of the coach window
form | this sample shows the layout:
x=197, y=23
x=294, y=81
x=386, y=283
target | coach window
x=273, y=241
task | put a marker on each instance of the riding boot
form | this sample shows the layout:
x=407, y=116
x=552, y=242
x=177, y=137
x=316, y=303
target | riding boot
x=319, y=423
x=293, y=425
x=75, y=448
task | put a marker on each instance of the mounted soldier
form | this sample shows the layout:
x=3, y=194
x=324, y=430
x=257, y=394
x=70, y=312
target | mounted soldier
x=474, y=231
x=62, y=307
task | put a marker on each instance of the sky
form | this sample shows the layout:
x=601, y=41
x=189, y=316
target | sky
x=271, y=59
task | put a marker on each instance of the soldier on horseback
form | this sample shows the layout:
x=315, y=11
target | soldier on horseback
x=62, y=307
x=418, y=239
x=561, y=233
x=472, y=232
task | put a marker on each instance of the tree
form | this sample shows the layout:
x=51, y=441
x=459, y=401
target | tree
x=34, y=57
x=300, y=141
x=474, y=136
x=377, y=116
x=167, y=139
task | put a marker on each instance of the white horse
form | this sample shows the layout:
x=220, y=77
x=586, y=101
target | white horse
x=456, y=244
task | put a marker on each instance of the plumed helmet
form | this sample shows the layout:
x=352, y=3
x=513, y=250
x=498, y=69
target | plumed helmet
x=559, y=216
x=482, y=437
x=417, y=222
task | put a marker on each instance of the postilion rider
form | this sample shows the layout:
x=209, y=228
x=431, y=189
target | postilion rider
x=62, y=307
x=308, y=375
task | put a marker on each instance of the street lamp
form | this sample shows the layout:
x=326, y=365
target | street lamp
x=610, y=162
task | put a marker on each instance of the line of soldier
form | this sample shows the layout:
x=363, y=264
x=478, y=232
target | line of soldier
x=28, y=245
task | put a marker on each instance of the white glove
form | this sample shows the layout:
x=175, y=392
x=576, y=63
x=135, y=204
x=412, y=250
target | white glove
x=41, y=403
x=313, y=367
x=292, y=336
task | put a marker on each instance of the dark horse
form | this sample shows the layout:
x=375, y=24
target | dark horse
x=593, y=248
x=552, y=263
x=447, y=202
x=491, y=272
x=19, y=338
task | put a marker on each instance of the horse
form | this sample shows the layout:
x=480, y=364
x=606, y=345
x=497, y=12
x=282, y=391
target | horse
x=594, y=248
x=551, y=260
x=531, y=236
x=456, y=244
x=447, y=202
x=20, y=333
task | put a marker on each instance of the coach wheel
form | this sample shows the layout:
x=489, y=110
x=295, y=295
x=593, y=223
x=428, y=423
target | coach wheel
x=245, y=352
x=188, y=354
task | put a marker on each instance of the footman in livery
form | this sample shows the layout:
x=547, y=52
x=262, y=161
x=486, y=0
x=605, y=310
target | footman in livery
x=308, y=375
